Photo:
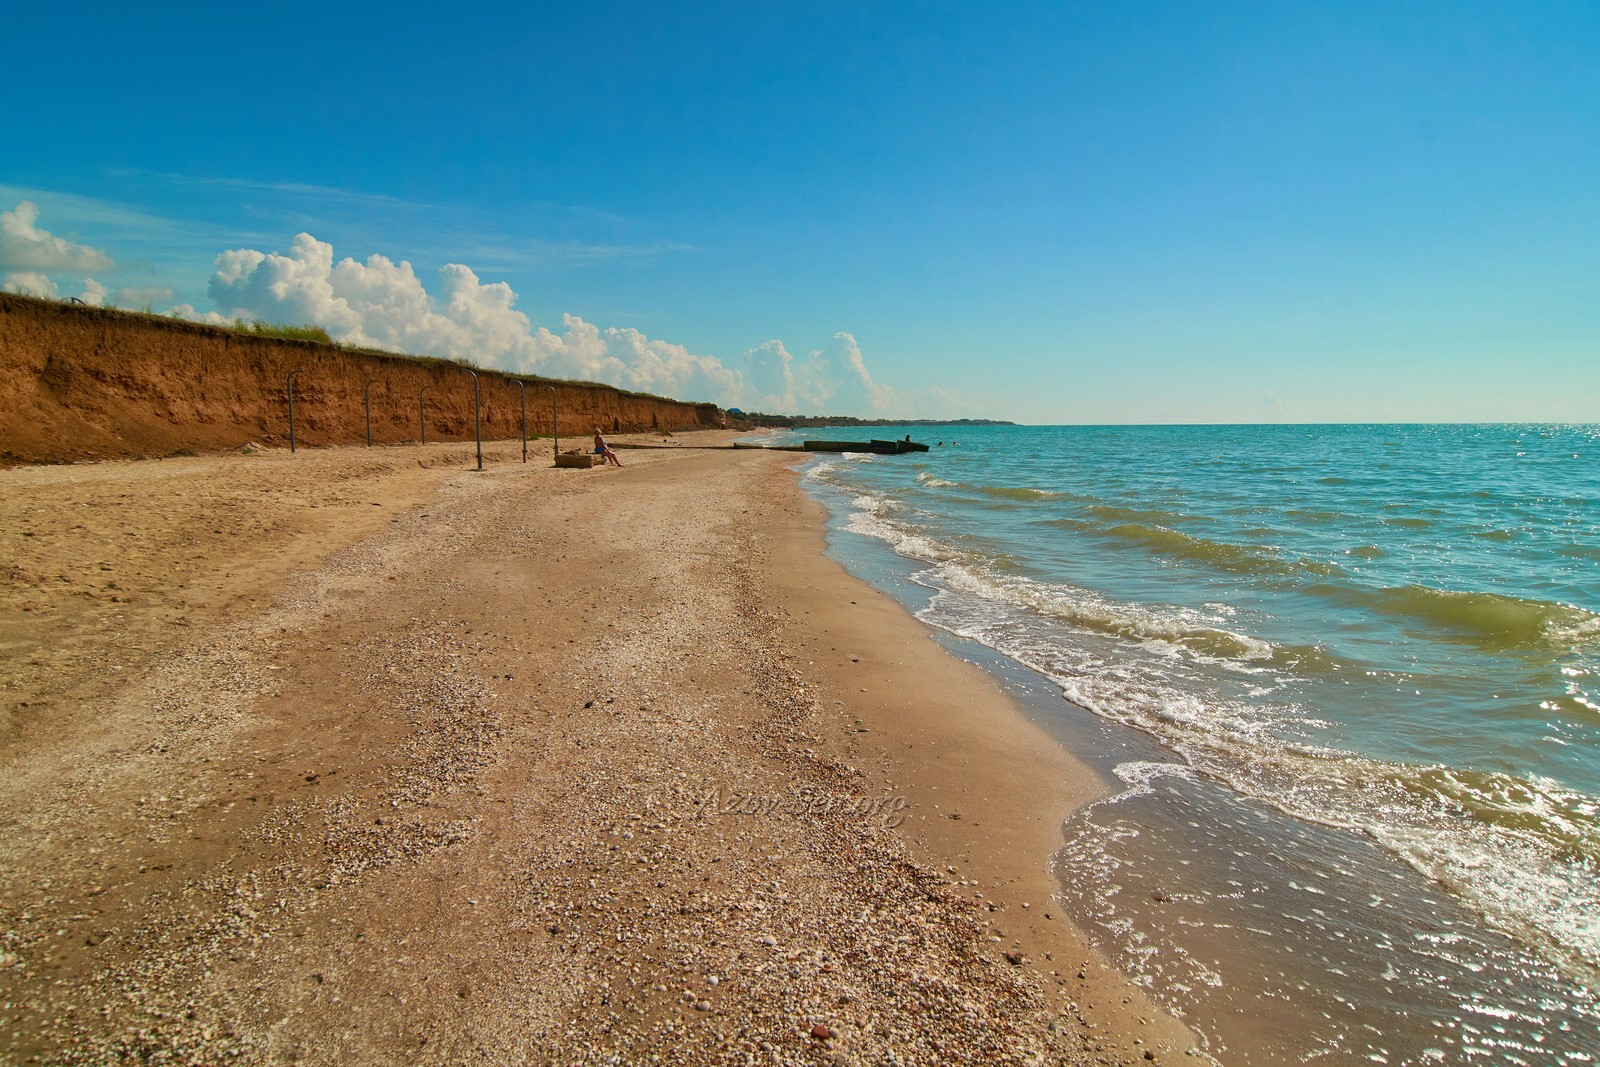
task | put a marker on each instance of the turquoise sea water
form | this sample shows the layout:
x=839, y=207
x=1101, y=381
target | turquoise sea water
x=1363, y=666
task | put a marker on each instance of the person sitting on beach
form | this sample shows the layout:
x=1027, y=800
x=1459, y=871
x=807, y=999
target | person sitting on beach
x=603, y=449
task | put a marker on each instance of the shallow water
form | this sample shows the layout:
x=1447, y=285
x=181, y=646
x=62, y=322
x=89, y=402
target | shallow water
x=1368, y=656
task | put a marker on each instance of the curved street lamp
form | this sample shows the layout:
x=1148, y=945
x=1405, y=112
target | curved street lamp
x=522, y=387
x=368, y=391
x=477, y=419
x=555, y=423
x=288, y=385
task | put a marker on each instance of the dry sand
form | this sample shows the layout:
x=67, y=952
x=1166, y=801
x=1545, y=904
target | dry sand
x=365, y=756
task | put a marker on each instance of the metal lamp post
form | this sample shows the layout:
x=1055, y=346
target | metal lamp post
x=288, y=385
x=522, y=387
x=422, y=417
x=477, y=418
x=555, y=424
x=368, y=393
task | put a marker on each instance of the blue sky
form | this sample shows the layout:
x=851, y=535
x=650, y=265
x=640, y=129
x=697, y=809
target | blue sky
x=1135, y=212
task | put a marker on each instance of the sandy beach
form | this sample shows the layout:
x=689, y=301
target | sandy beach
x=367, y=756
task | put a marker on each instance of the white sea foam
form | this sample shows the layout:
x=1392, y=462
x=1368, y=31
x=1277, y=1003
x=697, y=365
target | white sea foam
x=1520, y=886
x=870, y=520
x=1139, y=775
x=823, y=470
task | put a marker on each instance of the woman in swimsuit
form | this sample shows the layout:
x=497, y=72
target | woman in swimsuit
x=603, y=449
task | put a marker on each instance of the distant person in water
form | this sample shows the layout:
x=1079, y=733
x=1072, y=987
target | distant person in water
x=603, y=449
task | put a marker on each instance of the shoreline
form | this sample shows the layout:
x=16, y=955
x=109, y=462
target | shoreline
x=447, y=747
x=1230, y=868
x=989, y=786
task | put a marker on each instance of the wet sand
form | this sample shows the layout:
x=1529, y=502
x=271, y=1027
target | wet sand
x=365, y=756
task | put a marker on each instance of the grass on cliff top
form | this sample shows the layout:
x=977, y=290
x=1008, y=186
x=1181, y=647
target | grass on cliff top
x=258, y=328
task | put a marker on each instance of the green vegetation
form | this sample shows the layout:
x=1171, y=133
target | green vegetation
x=259, y=328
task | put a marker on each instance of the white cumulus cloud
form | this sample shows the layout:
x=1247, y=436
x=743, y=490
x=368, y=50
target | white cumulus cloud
x=25, y=247
x=628, y=358
x=137, y=296
x=830, y=380
x=30, y=283
x=382, y=304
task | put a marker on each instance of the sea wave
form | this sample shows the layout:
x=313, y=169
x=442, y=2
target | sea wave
x=1018, y=492
x=1220, y=555
x=824, y=470
x=1164, y=627
x=997, y=497
x=1313, y=517
x=1082, y=608
x=1117, y=513
x=1493, y=621
x=1541, y=808
x=871, y=520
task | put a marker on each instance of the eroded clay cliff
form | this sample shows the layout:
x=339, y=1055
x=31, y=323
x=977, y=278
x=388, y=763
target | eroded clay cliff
x=93, y=383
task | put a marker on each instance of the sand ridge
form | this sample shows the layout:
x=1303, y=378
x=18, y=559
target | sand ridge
x=524, y=765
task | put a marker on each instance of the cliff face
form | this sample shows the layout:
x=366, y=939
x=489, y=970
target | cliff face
x=94, y=383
